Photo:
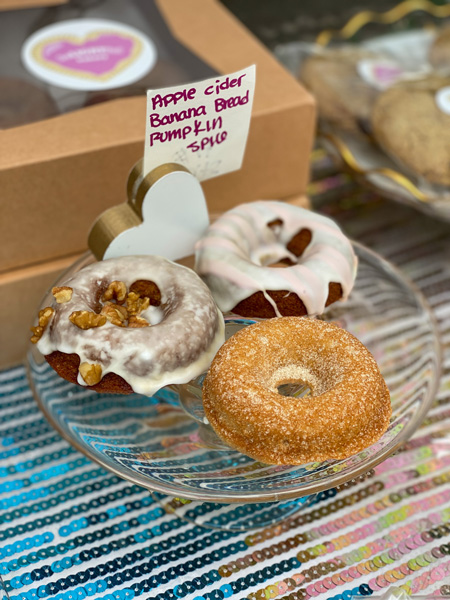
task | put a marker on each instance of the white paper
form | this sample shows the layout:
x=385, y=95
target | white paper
x=202, y=126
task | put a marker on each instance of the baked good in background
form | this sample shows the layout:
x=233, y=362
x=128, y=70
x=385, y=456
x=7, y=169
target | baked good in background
x=439, y=53
x=348, y=409
x=412, y=128
x=130, y=324
x=22, y=102
x=343, y=97
x=315, y=262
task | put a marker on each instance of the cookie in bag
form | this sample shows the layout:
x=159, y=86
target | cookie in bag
x=344, y=98
x=411, y=122
x=439, y=53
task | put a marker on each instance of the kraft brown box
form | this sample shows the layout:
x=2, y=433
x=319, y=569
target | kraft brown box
x=57, y=176
x=22, y=291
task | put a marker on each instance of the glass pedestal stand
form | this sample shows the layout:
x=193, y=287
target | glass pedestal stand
x=163, y=444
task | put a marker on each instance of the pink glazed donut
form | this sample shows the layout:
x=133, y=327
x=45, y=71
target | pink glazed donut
x=236, y=257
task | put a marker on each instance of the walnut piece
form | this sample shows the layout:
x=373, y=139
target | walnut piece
x=116, y=314
x=121, y=309
x=45, y=315
x=91, y=373
x=135, y=321
x=44, y=318
x=116, y=290
x=136, y=304
x=37, y=334
x=62, y=294
x=84, y=319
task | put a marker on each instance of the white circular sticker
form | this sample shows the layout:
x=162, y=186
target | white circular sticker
x=380, y=74
x=89, y=54
x=443, y=99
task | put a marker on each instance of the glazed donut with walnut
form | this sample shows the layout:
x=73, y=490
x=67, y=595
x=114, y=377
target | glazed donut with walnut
x=135, y=323
x=237, y=253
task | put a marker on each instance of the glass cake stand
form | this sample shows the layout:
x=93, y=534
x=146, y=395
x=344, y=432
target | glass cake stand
x=163, y=443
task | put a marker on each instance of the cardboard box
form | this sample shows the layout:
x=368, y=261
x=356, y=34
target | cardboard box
x=58, y=175
x=23, y=290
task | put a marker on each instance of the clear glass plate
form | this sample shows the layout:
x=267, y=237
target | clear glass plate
x=155, y=443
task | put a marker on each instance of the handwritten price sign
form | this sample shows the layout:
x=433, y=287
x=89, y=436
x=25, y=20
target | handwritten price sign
x=203, y=126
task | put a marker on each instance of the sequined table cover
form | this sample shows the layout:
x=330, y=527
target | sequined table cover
x=69, y=529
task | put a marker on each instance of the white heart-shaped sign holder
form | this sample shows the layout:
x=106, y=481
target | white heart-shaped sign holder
x=168, y=216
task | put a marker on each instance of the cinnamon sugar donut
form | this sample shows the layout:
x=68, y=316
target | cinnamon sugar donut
x=348, y=410
x=234, y=258
x=135, y=323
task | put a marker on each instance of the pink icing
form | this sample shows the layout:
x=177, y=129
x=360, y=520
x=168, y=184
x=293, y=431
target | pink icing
x=218, y=242
x=387, y=74
x=233, y=277
x=97, y=55
x=227, y=228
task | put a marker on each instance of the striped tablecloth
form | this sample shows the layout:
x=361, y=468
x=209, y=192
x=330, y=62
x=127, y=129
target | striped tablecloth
x=69, y=529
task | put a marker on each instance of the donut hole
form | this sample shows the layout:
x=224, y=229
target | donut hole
x=275, y=225
x=299, y=242
x=145, y=288
x=133, y=305
x=294, y=389
x=277, y=256
x=149, y=289
x=293, y=381
x=299, y=381
x=283, y=263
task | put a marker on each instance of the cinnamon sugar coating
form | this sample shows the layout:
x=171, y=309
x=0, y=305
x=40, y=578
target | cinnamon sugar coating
x=348, y=410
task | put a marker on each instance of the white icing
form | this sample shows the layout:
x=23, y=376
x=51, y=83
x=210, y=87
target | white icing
x=153, y=314
x=186, y=331
x=231, y=257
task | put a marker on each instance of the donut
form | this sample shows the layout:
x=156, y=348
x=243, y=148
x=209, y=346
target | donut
x=234, y=258
x=348, y=410
x=130, y=324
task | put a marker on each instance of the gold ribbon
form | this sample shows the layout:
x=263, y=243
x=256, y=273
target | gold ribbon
x=114, y=221
x=352, y=162
x=391, y=16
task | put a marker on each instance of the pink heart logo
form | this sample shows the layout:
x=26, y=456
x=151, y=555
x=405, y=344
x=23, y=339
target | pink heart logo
x=100, y=55
x=386, y=74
